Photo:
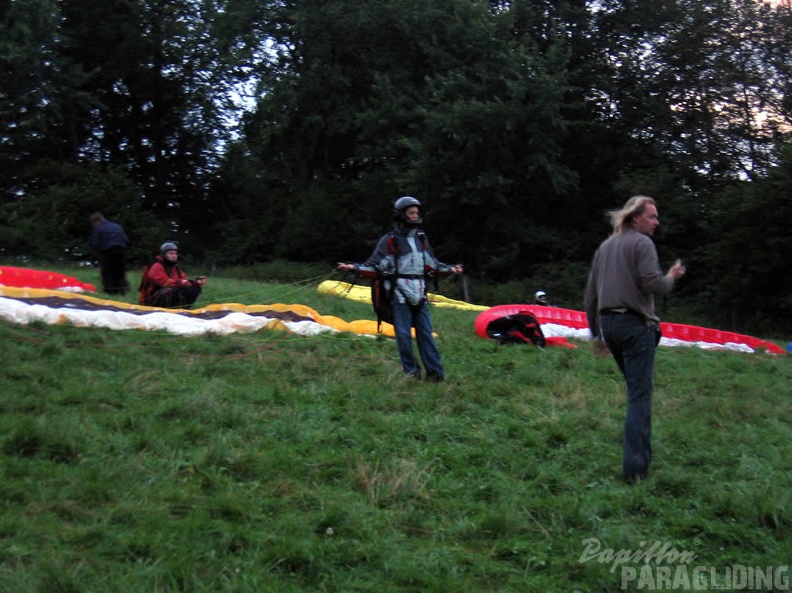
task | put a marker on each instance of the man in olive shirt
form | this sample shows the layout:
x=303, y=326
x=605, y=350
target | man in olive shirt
x=625, y=275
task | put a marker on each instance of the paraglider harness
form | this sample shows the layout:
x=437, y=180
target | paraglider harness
x=520, y=328
x=383, y=286
x=146, y=288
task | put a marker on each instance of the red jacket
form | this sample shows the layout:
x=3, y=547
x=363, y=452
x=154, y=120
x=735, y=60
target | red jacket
x=159, y=275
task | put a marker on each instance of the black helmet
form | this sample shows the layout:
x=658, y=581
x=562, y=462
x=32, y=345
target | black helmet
x=400, y=205
x=169, y=246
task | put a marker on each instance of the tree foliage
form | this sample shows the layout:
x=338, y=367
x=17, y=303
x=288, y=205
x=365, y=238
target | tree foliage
x=748, y=248
x=135, y=86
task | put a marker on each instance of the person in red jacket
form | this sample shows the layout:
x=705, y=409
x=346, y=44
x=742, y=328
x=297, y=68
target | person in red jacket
x=164, y=284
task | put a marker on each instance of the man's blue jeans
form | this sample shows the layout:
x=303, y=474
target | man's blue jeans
x=404, y=318
x=633, y=343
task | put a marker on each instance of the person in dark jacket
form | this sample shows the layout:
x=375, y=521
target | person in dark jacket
x=164, y=283
x=110, y=240
x=405, y=257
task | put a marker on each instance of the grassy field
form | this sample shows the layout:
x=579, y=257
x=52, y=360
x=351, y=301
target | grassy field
x=145, y=462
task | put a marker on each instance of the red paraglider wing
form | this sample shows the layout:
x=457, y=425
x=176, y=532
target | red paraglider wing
x=26, y=278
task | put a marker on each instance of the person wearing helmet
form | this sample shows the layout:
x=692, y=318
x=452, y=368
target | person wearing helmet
x=405, y=258
x=540, y=298
x=164, y=284
x=400, y=216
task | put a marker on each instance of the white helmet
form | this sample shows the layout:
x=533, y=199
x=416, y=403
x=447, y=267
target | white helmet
x=169, y=246
x=540, y=295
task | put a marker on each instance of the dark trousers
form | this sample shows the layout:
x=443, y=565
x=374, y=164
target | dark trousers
x=633, y=343
x=406, y=317
x=175, y=297
x=113, y=269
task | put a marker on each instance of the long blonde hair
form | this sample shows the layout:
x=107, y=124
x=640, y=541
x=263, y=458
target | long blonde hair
x=622, y=219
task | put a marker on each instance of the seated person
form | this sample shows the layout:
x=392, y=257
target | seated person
x=164, y=284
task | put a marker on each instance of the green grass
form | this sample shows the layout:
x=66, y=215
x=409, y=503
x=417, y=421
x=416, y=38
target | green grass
x=141, y=461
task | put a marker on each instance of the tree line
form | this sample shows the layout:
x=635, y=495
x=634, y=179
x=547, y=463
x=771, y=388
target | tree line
x=253, y=130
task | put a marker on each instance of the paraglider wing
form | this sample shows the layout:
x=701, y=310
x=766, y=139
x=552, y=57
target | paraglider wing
x=557, y=323
x=27, y=278
x=24, y=305
x=363, y=294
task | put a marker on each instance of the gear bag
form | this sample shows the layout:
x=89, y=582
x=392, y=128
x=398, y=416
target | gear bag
x=521, y=328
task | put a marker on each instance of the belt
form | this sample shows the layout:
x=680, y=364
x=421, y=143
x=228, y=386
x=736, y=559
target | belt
x=620, y=311
x=411, y=276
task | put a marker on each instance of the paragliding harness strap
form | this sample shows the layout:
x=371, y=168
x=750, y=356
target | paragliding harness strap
x=520, y=328
x=146, y=288
x=384, y=285
x=381, y=295
x=381, y=299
